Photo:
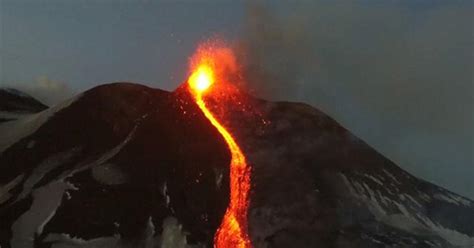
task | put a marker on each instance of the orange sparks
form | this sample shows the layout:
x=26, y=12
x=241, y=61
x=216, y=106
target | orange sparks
x=232, y=232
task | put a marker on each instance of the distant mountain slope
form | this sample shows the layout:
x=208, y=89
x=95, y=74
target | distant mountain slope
x=14, y=104
x=124, y=165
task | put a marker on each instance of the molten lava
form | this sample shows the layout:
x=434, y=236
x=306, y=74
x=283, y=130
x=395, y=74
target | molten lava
x=232, y=232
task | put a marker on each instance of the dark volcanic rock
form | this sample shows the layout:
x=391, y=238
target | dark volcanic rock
x=124, y=165
x=168, y=159
x=14, y=103
x=15, y=100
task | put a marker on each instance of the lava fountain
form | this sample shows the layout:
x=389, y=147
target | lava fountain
x=206, y=71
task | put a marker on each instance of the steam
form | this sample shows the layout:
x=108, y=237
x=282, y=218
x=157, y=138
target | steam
x=393, y=73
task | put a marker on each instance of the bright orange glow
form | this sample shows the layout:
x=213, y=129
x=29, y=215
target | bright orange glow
x=202, y=78
x=232, y=232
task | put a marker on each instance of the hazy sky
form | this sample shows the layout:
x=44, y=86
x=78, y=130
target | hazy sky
x=396, y=73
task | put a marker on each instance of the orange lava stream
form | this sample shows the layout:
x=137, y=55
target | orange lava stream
x=232, y=232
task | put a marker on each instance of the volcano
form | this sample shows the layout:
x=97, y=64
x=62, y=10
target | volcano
x=125, y=165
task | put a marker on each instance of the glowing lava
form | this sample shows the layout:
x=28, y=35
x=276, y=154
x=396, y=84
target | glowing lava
x=232, y=232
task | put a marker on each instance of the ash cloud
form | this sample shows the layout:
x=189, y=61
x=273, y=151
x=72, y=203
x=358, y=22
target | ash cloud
x=399, y=75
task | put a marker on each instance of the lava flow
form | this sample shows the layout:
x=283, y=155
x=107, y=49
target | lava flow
x=232, y=232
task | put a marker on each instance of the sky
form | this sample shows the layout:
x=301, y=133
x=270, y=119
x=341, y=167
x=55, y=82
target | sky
x=398, y=74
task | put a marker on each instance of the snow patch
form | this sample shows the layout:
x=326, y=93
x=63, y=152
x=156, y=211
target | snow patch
x=106, y=156
x=424, y=196
x=173, y=236
x=391, y=176
x=413, y=200
x=13, y=131
x=373, y=178
x=452, y=236
x=164, y=192
x=219, y=174
x=8, y=115
x=65, y=241
x=44, y=167
x=46, y=200
x=407, y=220
x=454, y=199
x=5, y=190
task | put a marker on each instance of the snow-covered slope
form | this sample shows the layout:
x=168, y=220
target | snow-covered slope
x=312, y=176
x=26, y=124
x=124, y=165
x=15, y=104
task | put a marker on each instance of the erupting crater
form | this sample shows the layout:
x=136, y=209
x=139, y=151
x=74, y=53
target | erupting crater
x=206, y=71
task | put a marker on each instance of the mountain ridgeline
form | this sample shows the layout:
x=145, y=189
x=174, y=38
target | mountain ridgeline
x=125, y=165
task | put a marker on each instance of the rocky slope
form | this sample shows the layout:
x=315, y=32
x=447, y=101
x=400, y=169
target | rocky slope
x=124, y=165
x=15, y=104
